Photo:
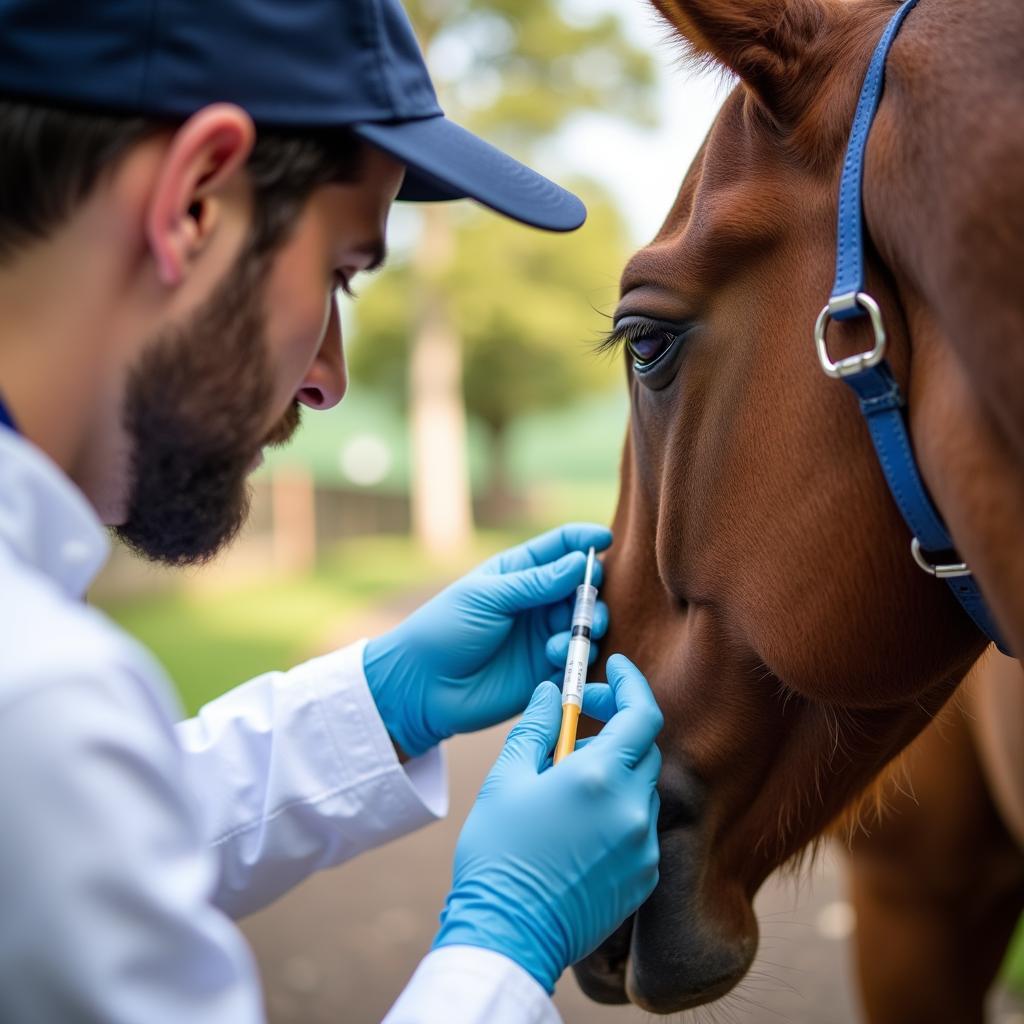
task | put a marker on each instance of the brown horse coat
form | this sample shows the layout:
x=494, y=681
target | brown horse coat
x=761, y=574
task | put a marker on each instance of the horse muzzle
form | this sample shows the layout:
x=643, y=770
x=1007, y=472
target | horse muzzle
x=696, y=935
x=670, y=955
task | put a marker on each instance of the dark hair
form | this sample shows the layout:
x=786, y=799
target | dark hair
x=52, y=157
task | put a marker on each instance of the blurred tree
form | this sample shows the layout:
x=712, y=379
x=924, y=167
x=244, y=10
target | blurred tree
x=514, y=71
x=527, y=306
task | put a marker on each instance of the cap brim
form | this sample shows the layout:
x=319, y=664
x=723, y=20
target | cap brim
x=444, y=161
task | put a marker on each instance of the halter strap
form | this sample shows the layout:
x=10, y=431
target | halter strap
x=868, y=373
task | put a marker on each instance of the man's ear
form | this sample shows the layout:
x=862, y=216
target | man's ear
x=184, y=207
x=768, y=43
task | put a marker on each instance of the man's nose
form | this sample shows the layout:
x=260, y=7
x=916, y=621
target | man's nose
x=326, y=382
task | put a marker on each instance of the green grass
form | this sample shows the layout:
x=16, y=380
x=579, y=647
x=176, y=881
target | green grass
x=210, y=640
x=1013, y=965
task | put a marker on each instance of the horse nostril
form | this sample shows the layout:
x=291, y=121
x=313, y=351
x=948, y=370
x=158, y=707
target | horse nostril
x=602, y=974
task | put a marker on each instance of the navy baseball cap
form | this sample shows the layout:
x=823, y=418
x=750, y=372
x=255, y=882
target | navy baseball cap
x=302, y=63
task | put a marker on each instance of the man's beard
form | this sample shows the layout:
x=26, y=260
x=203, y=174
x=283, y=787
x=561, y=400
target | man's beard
x=194, y=411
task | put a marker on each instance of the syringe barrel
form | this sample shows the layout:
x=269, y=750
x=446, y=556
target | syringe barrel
x=576, y=670
x=579, y=646
x=583, y=609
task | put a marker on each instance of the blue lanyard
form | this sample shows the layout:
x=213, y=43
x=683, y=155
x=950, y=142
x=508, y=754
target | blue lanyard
x=6, y=420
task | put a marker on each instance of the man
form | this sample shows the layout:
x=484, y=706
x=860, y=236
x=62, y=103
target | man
x=184, y=186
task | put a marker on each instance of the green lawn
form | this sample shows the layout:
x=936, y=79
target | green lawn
x=212, y=639
x=1013, y=966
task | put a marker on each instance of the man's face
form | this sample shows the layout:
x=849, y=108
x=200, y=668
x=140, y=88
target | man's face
x=207, y=394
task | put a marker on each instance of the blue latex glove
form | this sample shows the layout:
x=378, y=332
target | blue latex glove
x=471, y=657
x=552, y=859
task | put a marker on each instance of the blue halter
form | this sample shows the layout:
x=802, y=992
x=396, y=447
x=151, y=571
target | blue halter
x=868, y=373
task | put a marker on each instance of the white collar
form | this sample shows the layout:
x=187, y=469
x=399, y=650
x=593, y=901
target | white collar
x=46, y=520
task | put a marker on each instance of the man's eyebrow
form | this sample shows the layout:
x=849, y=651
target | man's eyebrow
x=377, y=250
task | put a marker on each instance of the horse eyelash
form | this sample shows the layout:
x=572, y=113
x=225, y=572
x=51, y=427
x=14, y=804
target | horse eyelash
x=607, y=343
x=633, y=331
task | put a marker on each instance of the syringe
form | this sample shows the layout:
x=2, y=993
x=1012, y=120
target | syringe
x=577, y=661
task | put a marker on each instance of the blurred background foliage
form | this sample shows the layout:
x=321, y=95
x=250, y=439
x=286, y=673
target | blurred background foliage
x=487, y=319
x=529, y=309
x=515, y=70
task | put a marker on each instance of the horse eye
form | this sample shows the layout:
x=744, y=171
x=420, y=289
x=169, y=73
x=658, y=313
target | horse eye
x=651, y=347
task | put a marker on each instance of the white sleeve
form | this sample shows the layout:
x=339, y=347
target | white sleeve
x=466, y=985
x=294, y=772
x=104, y=876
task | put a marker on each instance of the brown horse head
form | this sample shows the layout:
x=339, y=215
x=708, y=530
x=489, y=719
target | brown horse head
x=761, y=575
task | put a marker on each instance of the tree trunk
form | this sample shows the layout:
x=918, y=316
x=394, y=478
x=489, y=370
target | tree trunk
x=442, y=512
x=504, y=504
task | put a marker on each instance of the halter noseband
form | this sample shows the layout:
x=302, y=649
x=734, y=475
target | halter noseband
x=868, y=373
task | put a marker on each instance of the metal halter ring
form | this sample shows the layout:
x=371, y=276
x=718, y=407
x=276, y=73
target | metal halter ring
x=942, y=572
x=863, y=360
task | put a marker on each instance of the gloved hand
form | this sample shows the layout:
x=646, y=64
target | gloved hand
x=551, y=860
x=472, y=656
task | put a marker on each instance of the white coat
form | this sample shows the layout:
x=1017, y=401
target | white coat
x=129, y=843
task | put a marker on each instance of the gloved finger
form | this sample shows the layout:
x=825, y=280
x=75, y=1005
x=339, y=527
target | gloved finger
x=556, y=650
x=533, y=736
x=655, y=809
x=631, y=730
x=581, y=744
x=551, y=545
x=514, y=592
x=647, y=839
x=652, y=847
x=652, y=840
x=558, y=616
x=599, y=701
x=649, y=766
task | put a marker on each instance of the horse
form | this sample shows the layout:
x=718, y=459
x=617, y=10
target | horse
x=761, y=574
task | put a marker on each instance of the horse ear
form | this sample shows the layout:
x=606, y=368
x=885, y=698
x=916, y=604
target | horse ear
x=768, y=43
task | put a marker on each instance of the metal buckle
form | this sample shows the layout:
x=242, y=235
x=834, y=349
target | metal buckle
x=863, y=360
x=942, y=572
